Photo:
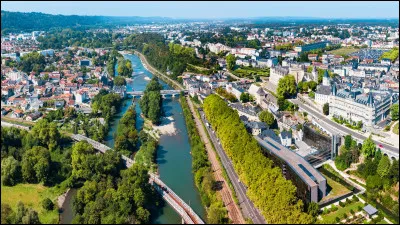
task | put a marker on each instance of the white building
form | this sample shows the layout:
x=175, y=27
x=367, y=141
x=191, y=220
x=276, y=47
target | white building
x=277, y=73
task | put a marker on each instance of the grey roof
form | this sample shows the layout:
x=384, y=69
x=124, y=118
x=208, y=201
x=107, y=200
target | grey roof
x=286, y=134
x=270, y=133
x=256, y=125
x=323, y=90
x=299, y=165
x=261, y=91
x=370, y=210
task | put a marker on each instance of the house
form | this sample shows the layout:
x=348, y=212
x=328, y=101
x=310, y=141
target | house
x=81, y=96
x=4, y=111
x=34, y=116
x=370, y=210
x=286, y=138
x=255, y=127
x=17, y=114
x=313, y=57
x=258, y=93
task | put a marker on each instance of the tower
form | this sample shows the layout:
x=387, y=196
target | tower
x=314, y=73
x=326, y=79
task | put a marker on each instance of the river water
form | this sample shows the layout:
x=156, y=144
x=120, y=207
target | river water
x=173, y=154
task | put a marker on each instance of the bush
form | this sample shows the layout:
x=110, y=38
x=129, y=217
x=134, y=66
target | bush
x=355, y=198
x=348, y=201
x=47, y=204
x=342, y=204
x=344, y=216
x=337, y=219
x=352, y=212
x=334, y=208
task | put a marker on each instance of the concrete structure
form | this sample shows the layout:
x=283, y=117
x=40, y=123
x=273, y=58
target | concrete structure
x=311, y=185
x=323, y=92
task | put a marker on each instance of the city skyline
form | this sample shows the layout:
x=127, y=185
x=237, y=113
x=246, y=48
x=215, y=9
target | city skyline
x=214, y=10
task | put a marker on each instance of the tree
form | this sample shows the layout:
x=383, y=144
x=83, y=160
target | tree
x=287, y=86
x=394, y=171
x=245, y=97
x=10, y=171
x=347, y=141
x=6, y=214
x=368, y=147
x=312, y=85
x=47, y=204
x=230, y=61
x=311, y=94
x=125, y=68
x=394, y=111
x=119, y=81
x=267, y=118
x=31, y=217
x=325, y=109
x=36, y=164
x=383, y=166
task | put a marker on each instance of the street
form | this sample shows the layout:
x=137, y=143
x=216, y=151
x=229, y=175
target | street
x=391, y=149
x=247, y=206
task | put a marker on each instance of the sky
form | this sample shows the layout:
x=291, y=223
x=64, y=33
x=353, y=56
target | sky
x=209, y=9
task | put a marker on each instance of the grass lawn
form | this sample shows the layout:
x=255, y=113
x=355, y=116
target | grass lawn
x=334, y=189
x=32, y=196
x=343, y=51
x=249, y=72
x=330, y=217
x=396, y=128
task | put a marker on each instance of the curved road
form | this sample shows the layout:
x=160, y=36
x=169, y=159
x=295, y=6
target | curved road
x=391, y=149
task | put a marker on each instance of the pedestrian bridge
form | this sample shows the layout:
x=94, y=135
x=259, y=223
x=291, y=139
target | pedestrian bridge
x=186, y=213
x=163, y=93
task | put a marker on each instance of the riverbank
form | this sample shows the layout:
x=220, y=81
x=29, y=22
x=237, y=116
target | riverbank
x=165, y=78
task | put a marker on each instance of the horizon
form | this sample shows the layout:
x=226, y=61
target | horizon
x=233, y=10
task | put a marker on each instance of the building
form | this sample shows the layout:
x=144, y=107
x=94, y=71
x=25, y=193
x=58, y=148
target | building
x=255, y=127
x=85, y=62
x=313, y=57
x=310, y=184
x=34, y=116
x=323, y=92
x=277, y=73
x=258, y=93
x=313, y=46
x=354, y=105
x=81, y=96
x=286, y=138
x=370, y=210
x=234, y=89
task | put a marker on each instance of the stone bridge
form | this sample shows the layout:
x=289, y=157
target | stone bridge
x=164, y=93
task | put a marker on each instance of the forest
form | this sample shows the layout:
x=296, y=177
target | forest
x=267, y=188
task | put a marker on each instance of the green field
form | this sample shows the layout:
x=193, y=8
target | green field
x=249, y=72
x=32, y=196
x=330, y=217
x=343, y=51
x=334, y=189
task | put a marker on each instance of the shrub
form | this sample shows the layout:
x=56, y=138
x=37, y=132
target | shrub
x=352, y=212
x=334, y=208
x=355, y=198
x=344, y=216
x=342, y=204
x=348, y=201
x=47, y=204
x=337, y=219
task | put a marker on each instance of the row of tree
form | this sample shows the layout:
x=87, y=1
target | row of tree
x=205, y=182
x=267, y=188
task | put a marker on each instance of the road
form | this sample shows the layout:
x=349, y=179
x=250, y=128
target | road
x=247, y=206
x=234, y=212
x=392, y=149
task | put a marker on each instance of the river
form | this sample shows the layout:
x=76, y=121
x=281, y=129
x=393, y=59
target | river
x=173, y=154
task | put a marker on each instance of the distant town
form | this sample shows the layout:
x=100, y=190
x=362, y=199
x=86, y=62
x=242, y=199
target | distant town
x=310, y=108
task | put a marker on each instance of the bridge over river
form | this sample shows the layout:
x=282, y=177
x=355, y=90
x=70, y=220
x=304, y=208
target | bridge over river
x=184, y=210
x=164, y=93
